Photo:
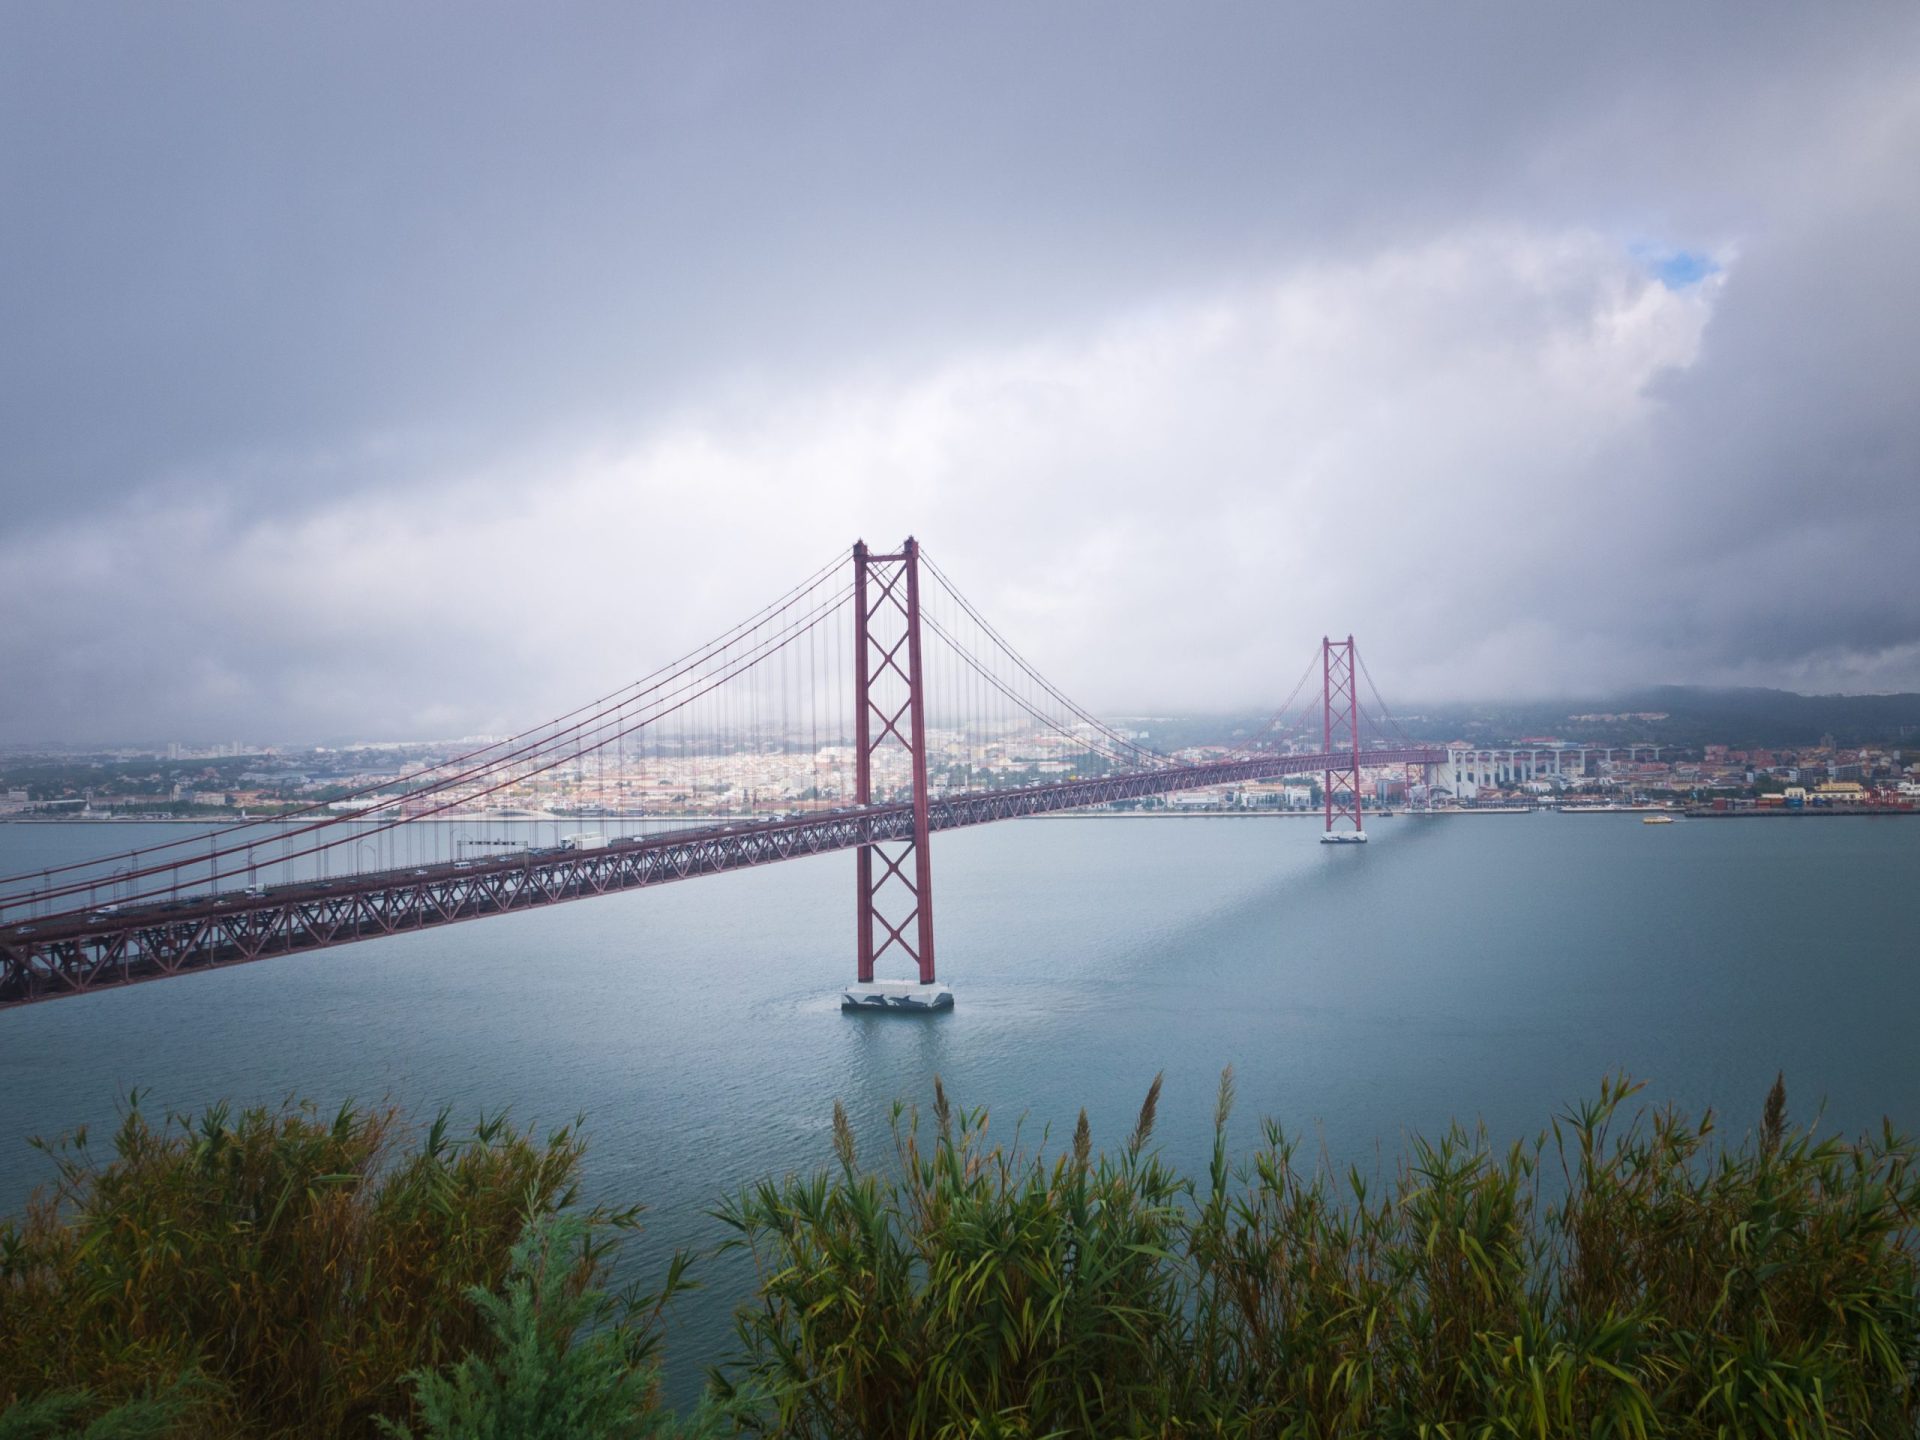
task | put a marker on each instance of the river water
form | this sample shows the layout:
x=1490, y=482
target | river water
x=1480, y=967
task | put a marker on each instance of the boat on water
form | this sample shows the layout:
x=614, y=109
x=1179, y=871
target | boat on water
x=1656, y=819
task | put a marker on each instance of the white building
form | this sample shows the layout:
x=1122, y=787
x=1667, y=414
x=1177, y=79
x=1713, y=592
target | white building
x=1468, y=771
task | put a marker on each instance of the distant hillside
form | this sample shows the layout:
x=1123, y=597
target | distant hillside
x=1680, y=715
x=1756, y=716
x=1691, y=715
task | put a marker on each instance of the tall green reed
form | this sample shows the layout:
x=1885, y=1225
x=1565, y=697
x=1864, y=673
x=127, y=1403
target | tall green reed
x=294, y=1265
x=1663, y=1284
x=1628, y=1273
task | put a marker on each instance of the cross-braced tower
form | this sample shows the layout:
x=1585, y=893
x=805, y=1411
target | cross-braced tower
x=1340, y=711
x=895, y=885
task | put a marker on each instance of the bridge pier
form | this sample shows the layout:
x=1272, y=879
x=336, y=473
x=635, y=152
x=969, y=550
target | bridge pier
x=894, y=877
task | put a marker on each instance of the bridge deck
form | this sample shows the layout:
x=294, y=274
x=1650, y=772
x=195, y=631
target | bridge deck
x=78, y=951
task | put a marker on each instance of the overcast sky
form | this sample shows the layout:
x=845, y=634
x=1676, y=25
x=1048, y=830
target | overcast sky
x=423, y=369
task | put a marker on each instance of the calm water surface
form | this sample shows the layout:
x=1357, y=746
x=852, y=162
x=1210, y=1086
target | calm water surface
x=1487, y=967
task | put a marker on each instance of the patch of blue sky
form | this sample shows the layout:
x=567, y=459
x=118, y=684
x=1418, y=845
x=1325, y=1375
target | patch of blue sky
x=1675, y=269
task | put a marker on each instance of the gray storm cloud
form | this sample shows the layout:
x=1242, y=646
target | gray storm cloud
x=343, y=351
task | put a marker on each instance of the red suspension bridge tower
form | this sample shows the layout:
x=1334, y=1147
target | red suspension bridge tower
x=890, y=716
x=1340, y=716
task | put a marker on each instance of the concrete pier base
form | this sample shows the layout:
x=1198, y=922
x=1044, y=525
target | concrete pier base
x=896, y=995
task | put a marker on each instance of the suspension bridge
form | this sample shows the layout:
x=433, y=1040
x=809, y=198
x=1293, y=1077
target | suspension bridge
x=866, y=709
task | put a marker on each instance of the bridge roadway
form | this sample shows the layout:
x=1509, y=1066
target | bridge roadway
x=81, y=950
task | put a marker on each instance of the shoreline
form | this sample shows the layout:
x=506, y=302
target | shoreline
x=1782, y=812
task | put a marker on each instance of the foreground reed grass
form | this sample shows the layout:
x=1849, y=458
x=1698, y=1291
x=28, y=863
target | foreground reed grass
x=1627, y=1274
x=276, y=1272
x=1672, y=1286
